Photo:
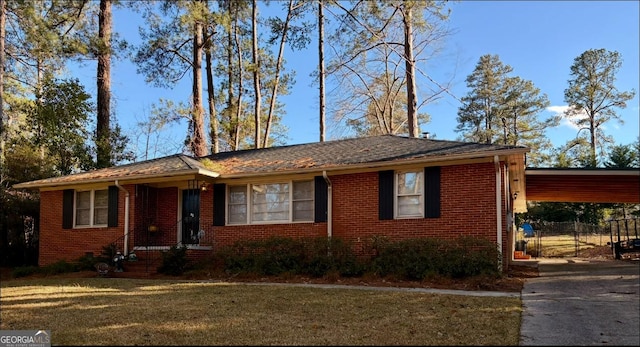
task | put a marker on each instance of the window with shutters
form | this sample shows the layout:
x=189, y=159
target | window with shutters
x=291, y=201
x=409, y=194
x=91, y=208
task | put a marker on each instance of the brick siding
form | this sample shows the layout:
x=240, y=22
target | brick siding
x=467, y=208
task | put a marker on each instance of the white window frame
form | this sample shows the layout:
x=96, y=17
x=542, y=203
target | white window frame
x=309, y=200
x=92, y=209
x=398, y=195
x=250, y=204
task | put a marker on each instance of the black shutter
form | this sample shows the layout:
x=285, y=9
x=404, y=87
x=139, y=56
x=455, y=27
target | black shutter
x=385, y=194
x=113, y=207
x=321, y=199
x=67, y=209
x=219, y=204
x=432, y=192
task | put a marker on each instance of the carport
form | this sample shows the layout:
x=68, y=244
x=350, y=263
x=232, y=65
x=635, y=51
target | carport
x=594, y=185
x=600, y=185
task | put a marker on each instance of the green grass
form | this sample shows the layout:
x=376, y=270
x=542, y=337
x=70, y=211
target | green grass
x=109, y=311
x=565, y=245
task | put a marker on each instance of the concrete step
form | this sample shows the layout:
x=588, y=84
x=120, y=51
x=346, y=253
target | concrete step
x=140, y=268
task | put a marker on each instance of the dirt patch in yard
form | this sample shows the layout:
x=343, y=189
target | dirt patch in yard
x=512, y=281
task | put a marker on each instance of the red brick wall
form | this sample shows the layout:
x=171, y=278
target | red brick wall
x=467, y=208
x=57, y=243
x=167, y=217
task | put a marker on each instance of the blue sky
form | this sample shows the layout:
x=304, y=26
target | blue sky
x=538, y=39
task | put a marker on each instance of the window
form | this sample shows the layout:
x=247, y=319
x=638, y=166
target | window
x=238, y=204
x=269, y=202
x=303, y=201
x=409, y=194
x=92, y=208
x=273, y=202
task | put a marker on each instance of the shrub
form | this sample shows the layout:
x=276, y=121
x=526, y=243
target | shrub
x=271, y=256
x=325, y=256
x=23, y=271
x=59, y=267
x=473, y=257
x=417, y=259
x=87, y=262
x=174, y=261
x=411, y=259
x=284, y=255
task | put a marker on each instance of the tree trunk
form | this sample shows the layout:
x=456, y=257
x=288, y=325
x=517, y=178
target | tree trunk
x=3, y=20
x=592, y=138
x=412, y=102
x=103, y=137
x=4, y=236
x=321, y=67
x=274, y=90
x=211, y=95
x=230, y=92
x=240, y=88
x=198, y=142
x=256, y=74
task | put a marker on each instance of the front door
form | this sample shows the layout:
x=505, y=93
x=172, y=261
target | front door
x=190, y=216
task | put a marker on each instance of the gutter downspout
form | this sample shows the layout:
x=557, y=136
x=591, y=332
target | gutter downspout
x=329, y=204
x=496, y=160
x=509, y=200
x=126, y=218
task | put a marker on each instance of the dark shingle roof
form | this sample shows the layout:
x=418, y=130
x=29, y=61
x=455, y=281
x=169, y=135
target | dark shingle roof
x=355, y=151
x=166, y=166
x=374, y=150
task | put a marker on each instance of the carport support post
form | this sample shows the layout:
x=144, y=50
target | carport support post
x=496, y=160
x=626, y=227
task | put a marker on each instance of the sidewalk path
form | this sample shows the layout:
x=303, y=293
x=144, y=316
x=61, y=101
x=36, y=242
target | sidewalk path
x=582, y=302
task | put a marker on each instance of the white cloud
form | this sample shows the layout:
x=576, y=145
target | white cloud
x=557, y=109
x=565, y=121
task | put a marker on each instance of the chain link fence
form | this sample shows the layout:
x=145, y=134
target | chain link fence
x=569, y=239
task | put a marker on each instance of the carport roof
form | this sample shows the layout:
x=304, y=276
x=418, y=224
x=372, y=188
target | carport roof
x=597, y=185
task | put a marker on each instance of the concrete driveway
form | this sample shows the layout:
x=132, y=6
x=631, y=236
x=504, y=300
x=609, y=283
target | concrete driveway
x=582, y=302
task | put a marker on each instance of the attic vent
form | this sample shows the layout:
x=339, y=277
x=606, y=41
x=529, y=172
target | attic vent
x=425, y=135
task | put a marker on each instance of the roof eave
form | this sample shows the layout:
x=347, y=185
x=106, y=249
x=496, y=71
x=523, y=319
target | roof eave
x=582, y=172
x=380, y=164
x=120, y=179
x=446, y=158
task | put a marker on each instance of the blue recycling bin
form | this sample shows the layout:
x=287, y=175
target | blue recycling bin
x=528, y=230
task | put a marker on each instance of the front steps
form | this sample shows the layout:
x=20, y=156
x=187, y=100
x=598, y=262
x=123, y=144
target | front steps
x=147, y=263
x=136, y=269
x=145, y=266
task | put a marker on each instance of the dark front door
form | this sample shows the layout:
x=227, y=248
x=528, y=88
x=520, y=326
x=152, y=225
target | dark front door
x=190, y=216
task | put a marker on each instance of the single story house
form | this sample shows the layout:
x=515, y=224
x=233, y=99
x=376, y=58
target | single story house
x=353, y=189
